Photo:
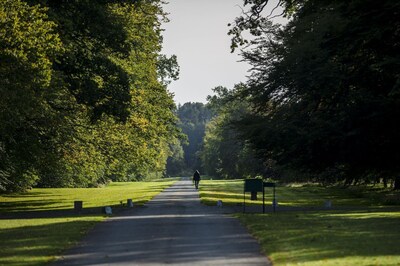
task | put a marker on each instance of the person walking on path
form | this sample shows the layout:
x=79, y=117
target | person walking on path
x=174, y=229
x=196, y=179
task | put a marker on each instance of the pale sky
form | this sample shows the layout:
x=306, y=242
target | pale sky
x=197, y=35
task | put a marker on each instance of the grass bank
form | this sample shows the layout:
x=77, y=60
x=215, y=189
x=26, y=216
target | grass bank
x=365, y=234
x=295, y=195
x=328, y=238
x=36, y=228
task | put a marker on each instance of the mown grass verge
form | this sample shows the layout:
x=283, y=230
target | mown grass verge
x=231, y=193
x=361, y=230
x=328, y=238
x=37, y=226
x=37, y=241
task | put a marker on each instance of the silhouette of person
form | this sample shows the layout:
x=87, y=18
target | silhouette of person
x=196, y=179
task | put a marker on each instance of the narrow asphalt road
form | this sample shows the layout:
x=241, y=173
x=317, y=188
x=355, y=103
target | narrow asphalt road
x=173, y=228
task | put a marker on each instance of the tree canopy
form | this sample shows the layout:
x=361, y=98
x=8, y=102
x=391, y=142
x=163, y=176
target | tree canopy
x=193, y=118
x=84, y=97
x=224, y=154
x=324, y=88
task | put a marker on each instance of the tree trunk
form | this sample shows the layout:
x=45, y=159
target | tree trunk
x=377, y=180
x=397, y=183
x=348, y=181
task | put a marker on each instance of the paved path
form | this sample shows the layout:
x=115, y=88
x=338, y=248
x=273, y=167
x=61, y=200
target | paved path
x=173, y=228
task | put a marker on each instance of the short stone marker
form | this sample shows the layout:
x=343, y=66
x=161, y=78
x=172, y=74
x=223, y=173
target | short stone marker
x=129, y=203
x=328, y=204
x=78, y=205
x=275, y=203
x=107, y=210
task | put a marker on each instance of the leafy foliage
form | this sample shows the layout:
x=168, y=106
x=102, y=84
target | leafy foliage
x=224, y=153
x=28, y=130
x=176, y=161
x=193, y=119
x=324, y=89
x=85, y=98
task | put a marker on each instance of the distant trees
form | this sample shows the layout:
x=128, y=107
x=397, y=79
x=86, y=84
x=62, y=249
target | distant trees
x=176, y=162
x=324, y=89
x=224, y=153
x=193, y=118
x=83, y=93
x=213, y=145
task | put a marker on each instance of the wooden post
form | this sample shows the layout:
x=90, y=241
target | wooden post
x=263, y=198
x=78, y=205
x=274, y=200
x=129, y=203
x=253, y=195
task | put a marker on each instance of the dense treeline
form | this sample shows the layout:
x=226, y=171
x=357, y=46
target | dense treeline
x=224, y=154
x=83, y=92
x=193, y=117
x=323, y=98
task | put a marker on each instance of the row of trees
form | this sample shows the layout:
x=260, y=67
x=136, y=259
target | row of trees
x=83, y=92
x=224, y=153
x=323, y=97
x=211, y=144
x=84, y=99
x=193, y=118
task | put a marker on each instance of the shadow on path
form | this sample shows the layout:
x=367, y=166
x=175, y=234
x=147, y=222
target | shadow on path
x=173, y=228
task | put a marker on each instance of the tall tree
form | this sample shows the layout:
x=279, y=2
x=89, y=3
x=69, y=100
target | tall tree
x=176, y=161
x=325, y=87
x=193, y=118
x=224, y=153
x=29, y=128
x=88, y=85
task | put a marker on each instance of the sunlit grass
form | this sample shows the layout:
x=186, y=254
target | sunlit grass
x=231, y=193
x=368, y=236
x=36, y=241
x=40, y=199
x=328, y=238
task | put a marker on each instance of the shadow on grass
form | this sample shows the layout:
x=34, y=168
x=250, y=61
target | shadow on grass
x=34, y=245
x=22, y=205
x=29, y=194
x=303, y=196
x=314, y=196
x=221, y=195
x=68, y=213
x=35, y=204
x=308, y=237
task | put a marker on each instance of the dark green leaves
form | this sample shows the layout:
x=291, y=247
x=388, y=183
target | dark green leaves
x=81, y=101
x=324, y=88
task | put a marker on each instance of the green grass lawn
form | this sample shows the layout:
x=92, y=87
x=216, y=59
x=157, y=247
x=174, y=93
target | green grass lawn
x=231, y=193
x=368, y=233
x=35, y=241
x=328, y=238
